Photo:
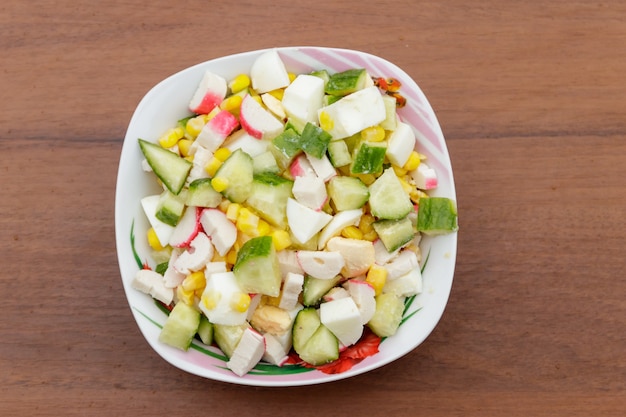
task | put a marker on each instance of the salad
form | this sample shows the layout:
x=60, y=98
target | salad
x=291, y=211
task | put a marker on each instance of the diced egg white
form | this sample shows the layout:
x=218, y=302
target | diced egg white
x=343, y=319
x=248, y=352
x=219, y=293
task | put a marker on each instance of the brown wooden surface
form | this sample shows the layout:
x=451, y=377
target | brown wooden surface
x=531, y=96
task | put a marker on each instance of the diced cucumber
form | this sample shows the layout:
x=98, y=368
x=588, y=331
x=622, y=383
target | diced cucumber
x=394, y=233
x=180, y=326
x=338, y=153
x=269, y=196
x=294, y=124
x=170, y=168
x=205, y=330
x=347, y=193
x=391, y=121
x=346, y=82
x=237, y=171
x=436, y=216
x=227, y=337
x=314, y=140
x=285, y=147
x=202, y=194
x=388, y=315
x=170, y=208
x=312, y=341
x=314, y=289
x=323, y=74
x=264, y=162
x=388, y=200
x=161, y=267
x=368, y=157
x=257, y=269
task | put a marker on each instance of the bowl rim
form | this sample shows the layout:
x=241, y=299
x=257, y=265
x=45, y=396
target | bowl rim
x=122, y=238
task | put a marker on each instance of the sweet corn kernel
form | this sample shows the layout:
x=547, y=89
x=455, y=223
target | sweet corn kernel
x=263, y=229
x=212, y=113
x=219, y=184
x=189, y=158
x=281, y=239
x=292, y=76
x=222, y=154
x=211, y=300
x=212, y=166
x=413, y=162
x=247, y=222
x=416, y=195
x=231, y=257
x=239, y=83
x=376, y=277
x=187, y=297
x=352, y=232
x=373, y=134
x=326, y=122
x=240, y=302
x=195, y=125
x=406, y=186
x=278, y=93
x=231, y=104
x=153, y=240
x=370, y=236
x=183, y=146
x=232, y=212
x=224, y=205
x=365, y=223
x=400, y=172
x=194, y=281
x=171, y=137
x=368, y=179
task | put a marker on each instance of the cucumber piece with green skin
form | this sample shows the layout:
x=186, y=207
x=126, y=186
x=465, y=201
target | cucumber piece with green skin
x=269, y=196
x=256, y=268
x=368, y=157
x=180, y=327
x=387, y=316
x=314, y=140
x=323, y=74
x=202, y=194
x=391, y=121
x=388, y=200
x=338, y=153
x=205, y=330
x=294, y=124
x=238, y=172
x=436, y=216
x=264, y=162
x=346, y=82
x=394, y=233
x=347, y=193
x=170, y=208
x=285, y=147
x=170, y=168
x=227, y=337
x=312, y=341
x=313, y=289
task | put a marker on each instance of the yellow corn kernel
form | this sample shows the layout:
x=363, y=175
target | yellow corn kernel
x=240, y=302
x=231, y=257
x=292, y=76
x=263, y=229
x=194, y=281
x=400, y=172
x=239, y=83
x=406, y=186
x=187, y=297
x=278, y=93
x=352, y=232
x=247, y=222
x=365, y=223
x=183, y=146
x=195, y=125
x=189, y=158
x=153, y=240
x=326, y=122
x=232, y=212
x=222, y=154
x=413, y=162
x=211, y=300
x=373, y=134
x=219, y=184
x=212, y=166
x=376, y=277
x=416, y=195
x=232, y=103
x=171, y=137
x=370, y=236
x=281, y=239
x=224, y=205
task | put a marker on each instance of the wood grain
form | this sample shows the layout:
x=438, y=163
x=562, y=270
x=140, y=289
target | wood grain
x=532, y=99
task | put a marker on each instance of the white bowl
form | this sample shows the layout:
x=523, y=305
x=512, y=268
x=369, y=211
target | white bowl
x=166, y=103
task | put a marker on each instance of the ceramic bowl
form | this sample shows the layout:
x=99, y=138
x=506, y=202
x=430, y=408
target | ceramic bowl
x=166, y=103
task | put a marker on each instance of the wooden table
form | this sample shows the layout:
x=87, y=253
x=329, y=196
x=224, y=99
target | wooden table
x=531, y=97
